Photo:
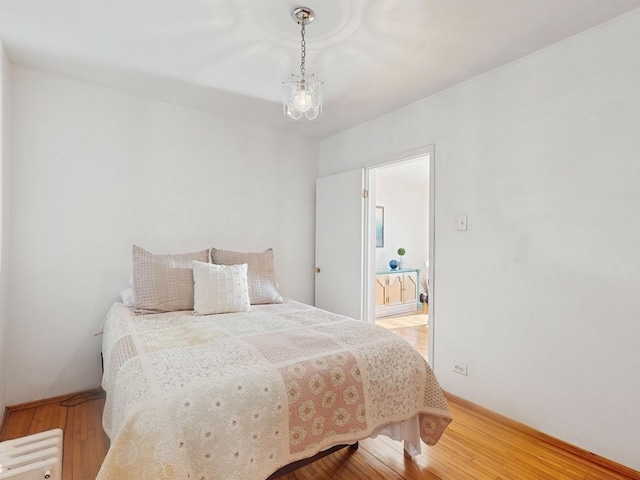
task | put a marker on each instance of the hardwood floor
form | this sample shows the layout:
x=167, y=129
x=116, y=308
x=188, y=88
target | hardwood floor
x=85, y=443
x=478, y=445
x=417, y=336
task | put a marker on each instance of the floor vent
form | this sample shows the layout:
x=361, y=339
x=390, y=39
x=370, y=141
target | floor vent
x=34, y=457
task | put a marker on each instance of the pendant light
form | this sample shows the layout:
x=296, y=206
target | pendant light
x=302, y=93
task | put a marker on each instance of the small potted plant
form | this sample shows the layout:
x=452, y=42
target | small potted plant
x=401, y=252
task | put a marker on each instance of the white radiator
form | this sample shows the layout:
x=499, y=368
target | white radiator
x=34, y=457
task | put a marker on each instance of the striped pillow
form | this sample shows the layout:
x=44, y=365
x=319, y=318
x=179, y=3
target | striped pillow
x=164, y=283
x=261, y=276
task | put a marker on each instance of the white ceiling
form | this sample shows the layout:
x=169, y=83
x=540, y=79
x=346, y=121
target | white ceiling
x=229, y=57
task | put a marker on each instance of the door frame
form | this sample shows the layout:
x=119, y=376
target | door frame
x=369, y=244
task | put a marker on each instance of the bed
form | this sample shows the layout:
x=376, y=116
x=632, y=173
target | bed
x=210, y=374
x=241, y=395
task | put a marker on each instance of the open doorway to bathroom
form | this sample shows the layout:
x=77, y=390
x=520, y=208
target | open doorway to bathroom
x=402, y=229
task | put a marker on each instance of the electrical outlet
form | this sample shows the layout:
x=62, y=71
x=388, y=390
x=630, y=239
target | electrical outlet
x=461, y=369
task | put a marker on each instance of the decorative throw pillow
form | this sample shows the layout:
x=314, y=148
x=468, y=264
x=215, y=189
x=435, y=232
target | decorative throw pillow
x=261, y=276
x=220, y=288
x=164, y=283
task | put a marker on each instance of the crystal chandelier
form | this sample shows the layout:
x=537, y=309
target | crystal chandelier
x=302, y=93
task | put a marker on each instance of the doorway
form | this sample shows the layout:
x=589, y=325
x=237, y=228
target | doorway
x=401, y=221
x=346, y=252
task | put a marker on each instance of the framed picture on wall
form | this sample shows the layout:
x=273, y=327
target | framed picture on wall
x=379, y=227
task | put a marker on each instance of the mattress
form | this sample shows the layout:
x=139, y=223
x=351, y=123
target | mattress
x=240, y=395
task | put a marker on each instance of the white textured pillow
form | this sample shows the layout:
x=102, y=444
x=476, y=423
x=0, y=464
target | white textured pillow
x=220, y=288
x=261, y=276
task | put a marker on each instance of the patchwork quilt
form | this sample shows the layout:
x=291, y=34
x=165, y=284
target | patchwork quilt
x=240, y=395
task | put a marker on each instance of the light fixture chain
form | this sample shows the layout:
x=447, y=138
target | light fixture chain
x=303, y=47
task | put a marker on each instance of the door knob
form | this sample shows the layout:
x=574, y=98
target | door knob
x=316, y=270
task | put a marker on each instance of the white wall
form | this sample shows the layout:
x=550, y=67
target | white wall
x=4, y=201
x=95, y=170
x=539, y=296
x=406, y=214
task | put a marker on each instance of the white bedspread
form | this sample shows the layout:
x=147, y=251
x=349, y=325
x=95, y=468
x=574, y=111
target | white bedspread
x=237, y=396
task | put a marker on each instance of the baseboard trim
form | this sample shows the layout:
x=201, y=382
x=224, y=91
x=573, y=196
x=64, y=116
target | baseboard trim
x=603, y=462
x=4, y=421
x=46, y=401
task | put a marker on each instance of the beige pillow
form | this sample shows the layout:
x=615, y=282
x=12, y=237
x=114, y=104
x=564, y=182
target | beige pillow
x=261, y=276
x=164, y=283
x=220, y=288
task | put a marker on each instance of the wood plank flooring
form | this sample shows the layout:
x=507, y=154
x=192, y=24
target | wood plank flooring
x=478, y=445
x=85, y=443
x=405, y=326
x=418, y=337
x=404, y=321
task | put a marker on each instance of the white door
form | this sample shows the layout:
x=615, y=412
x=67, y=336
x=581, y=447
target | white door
x=340, y=252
